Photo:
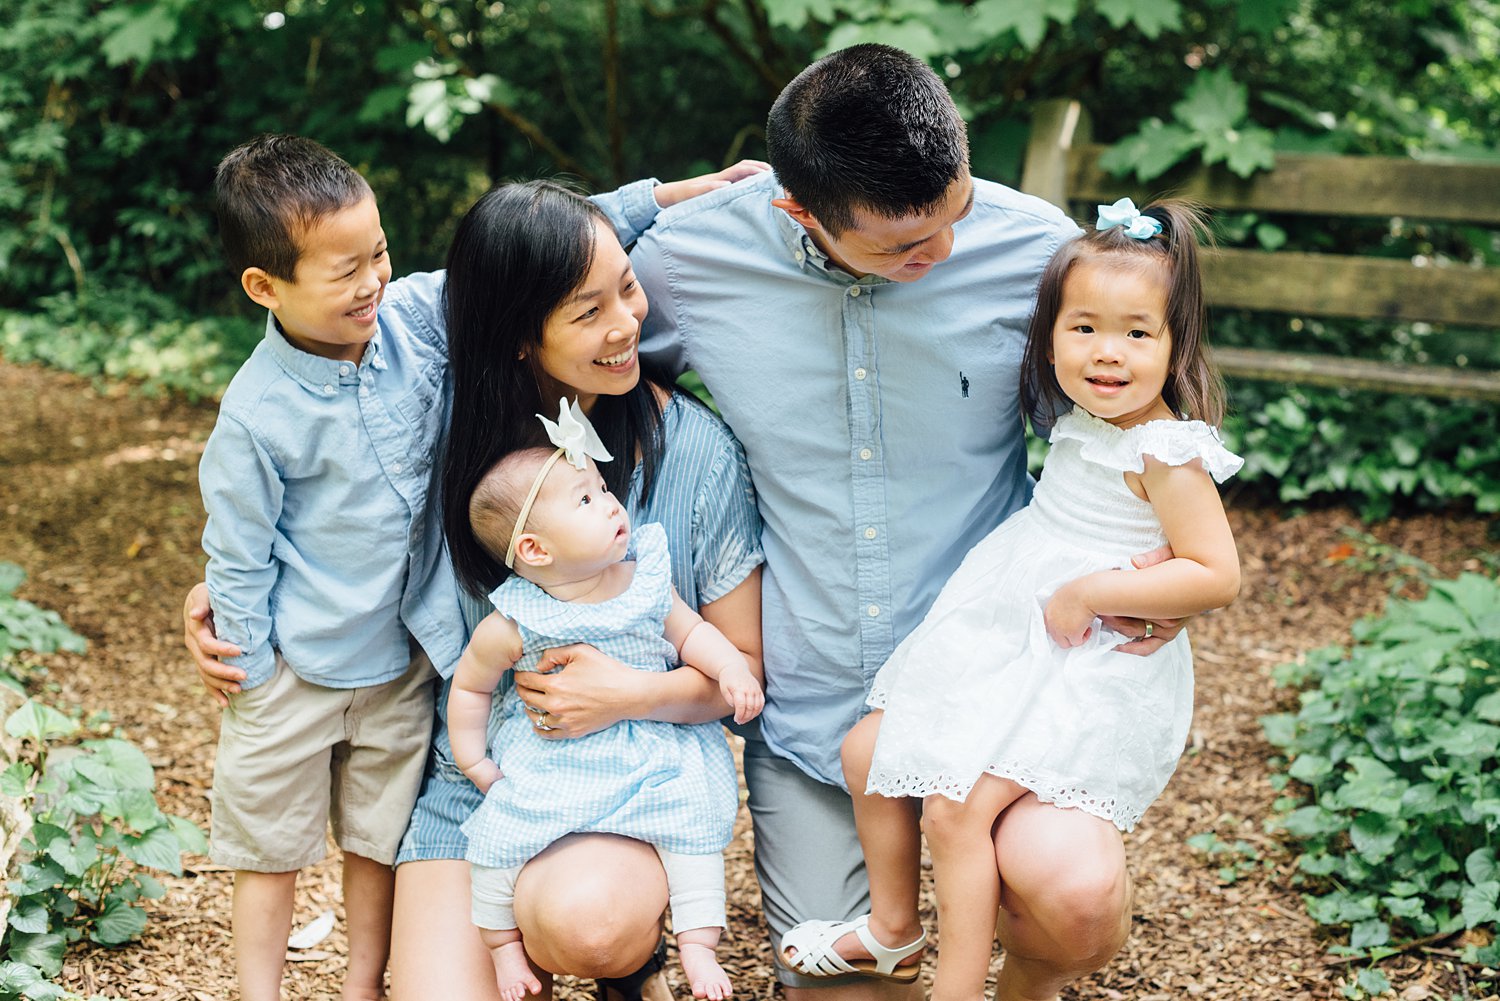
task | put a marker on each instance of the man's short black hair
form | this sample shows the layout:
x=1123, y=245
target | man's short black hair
x=270, y=190
x=867, y=127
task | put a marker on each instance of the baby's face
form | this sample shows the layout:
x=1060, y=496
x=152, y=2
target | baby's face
x=583, y=525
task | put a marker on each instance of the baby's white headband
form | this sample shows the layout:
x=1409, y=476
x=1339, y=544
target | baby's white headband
x=575, y=438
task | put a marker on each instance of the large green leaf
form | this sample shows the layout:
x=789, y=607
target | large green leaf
x=1150, y=152
x=44, y=951
x=157, y=849
x=1150, y=16
x=1027, y=18
x=40, y=723
x=139, y=30
x=119, y=923
x=1214, y=103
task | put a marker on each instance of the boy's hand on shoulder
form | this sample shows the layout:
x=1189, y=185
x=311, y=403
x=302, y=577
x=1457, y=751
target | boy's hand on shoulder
x=672, y=192
x=742, y=692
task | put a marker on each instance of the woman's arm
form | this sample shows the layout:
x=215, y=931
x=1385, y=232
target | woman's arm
x=493, y=649
x=1203, y=573
x=593, y=691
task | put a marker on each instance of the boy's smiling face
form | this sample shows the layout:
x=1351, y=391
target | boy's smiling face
x=329, y=309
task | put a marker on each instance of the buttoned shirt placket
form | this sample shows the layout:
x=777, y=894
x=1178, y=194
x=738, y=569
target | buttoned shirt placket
x=867, y=471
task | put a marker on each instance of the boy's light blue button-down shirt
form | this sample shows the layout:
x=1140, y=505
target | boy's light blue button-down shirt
x=880, y=419
x=324, y=536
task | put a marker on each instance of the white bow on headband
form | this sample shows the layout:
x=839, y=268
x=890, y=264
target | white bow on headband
x=577, y=441
x=574, y=435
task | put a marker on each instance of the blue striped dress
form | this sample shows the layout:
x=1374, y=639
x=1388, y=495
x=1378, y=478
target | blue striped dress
x=704, y=501
x=670, y=785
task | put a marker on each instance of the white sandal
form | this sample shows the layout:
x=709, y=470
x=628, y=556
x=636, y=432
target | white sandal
x=814, y=940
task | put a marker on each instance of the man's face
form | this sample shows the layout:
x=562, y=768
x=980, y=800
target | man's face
x=901, y=250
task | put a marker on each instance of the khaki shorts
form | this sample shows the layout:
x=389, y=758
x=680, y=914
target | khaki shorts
x=294, y=756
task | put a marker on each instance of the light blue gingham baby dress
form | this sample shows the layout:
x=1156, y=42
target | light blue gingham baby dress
x=669, y=784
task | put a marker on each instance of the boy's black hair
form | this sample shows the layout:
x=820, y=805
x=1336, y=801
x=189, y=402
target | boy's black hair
x=868, y=127
x=268, y=191
x=516, y=255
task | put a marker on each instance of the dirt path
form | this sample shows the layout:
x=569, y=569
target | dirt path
x=101, y=508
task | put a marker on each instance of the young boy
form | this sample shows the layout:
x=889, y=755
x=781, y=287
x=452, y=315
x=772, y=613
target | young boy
x=316, y=481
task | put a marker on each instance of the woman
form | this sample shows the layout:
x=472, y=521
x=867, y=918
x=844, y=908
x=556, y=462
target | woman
x=540, y=303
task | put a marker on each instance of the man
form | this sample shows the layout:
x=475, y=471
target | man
x=859, y=317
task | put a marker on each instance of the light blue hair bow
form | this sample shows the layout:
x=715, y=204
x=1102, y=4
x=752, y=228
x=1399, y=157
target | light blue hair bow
x=1124, y=214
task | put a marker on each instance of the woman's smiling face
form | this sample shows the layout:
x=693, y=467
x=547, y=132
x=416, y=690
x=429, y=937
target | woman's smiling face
x=589, y=341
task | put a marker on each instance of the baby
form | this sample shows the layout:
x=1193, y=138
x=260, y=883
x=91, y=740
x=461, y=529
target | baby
x=565, y=537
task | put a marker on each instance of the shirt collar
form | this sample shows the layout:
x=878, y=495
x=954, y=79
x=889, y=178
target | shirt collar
x=809, y=257
x=315, y=373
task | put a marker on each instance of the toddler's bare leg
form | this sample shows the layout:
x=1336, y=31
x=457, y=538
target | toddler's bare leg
x=695, y=947
x=960, y=836
x=262, y=922
x=891, y=837
x=512, y=969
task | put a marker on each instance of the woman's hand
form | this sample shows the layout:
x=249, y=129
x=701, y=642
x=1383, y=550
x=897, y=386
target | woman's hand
x=576, y=690
x=204, y=645
x=1150, y=635
x=680, y=191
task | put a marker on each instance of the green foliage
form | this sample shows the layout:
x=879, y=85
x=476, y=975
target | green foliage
x=25, y=627
x=194, y=357
x=86, y=817
x=1209, y=120
x=1374, y=450
x=1236, y=859
x=1390, y=784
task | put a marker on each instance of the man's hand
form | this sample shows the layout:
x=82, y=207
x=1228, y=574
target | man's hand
x=680, y=191
x=205, y=647
x=1150, y=635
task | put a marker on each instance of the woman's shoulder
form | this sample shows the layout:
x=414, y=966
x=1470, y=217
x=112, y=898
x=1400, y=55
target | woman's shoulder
x=688, y=424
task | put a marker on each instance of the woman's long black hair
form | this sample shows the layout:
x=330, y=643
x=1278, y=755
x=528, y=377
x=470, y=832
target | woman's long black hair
x=516, y=255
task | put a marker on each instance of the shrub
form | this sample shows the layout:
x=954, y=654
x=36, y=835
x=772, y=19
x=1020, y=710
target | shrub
x=1390, y=770
x=79, y=824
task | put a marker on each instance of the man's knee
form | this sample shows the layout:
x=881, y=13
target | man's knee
x=1087, y=912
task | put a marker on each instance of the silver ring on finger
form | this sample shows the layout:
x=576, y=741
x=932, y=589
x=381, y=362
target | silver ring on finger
x=540, y=723
x=1150, y=629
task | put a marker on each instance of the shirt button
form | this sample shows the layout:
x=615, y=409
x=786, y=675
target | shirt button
x=343, y=370
x=860, y=374
x=854, y=291
x=328, y=390
x=799, y=255
x=873, y=611
x=869, y=533
x=865, y=454
x=396, y=467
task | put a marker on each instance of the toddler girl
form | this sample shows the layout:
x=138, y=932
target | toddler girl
x=556, y=525
x=1011, y=685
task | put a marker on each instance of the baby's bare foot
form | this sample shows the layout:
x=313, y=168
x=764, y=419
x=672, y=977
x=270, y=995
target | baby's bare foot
x=708, y=978
x=513, y=972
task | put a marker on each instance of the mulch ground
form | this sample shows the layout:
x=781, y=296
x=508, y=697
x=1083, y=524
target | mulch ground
x=101, y=508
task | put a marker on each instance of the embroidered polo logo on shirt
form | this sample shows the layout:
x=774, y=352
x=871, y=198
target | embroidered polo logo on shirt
x=963, y=385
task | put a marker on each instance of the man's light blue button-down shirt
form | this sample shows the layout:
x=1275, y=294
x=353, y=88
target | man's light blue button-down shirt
x=880, y=420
